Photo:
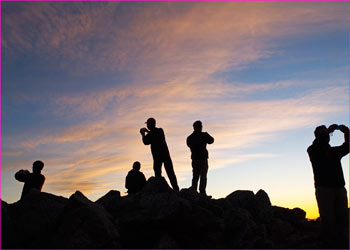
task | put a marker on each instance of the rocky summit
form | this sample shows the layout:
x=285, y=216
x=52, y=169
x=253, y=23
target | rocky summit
x=156, y=217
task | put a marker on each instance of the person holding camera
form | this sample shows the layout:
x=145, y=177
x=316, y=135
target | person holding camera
x=329, y=183
x=31, y=180
x=155, y=137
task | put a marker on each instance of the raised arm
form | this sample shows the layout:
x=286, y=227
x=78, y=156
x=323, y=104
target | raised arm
x=210, y=139
x=22, y=175
x=343, y=149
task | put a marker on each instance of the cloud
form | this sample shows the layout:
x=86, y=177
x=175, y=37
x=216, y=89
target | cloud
x=83, y=155
x=172, y=52
x=158, y=40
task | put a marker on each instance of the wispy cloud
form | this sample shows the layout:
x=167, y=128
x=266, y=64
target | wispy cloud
x=209, y=36
x=87, y=152
x=171, y=52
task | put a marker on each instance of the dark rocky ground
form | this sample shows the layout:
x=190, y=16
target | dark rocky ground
x=157, y=217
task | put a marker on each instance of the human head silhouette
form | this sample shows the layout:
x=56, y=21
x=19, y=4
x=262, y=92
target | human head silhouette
x=322, y=134
x=197, y=126
x=151, y=123
x=136, y=165
x=37, y=166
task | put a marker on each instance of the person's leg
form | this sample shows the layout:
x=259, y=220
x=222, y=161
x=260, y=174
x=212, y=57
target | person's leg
x=325, y=201
x=157, y=167
x=342, y=218
x=196, y=173
x=341, y=207
x=168, y=165
x=203, y=176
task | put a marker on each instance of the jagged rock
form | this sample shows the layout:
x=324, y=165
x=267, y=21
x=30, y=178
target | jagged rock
x=8, y=234
x=263, y=211
x=85, y=224
x=156, y=185
x=295, y=216
x=240, y=228
x=156, y=217
x=167, y=242
x=298, y=214
x=110, y=200
x=280, y=230
x=33, y=220
x=242, y=199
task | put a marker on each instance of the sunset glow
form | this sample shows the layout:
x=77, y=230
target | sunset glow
x=79, y=79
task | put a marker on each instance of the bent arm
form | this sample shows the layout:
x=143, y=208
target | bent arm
x=22, y=175
x=210, y=139
x=343, y=149
x=146, y=139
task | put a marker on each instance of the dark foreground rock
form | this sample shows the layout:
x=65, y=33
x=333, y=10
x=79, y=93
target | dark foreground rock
x=157, y=217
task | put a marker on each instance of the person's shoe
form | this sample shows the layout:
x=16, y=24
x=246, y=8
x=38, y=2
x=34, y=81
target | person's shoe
x=204, y=194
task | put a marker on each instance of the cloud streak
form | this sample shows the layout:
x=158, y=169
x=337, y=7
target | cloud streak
x=173, y=54
x=88, y=152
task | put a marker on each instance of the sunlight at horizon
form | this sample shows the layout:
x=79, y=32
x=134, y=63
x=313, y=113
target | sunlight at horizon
x=79, y=80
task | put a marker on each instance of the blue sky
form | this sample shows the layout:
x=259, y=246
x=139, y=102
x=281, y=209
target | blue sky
x=80, y=79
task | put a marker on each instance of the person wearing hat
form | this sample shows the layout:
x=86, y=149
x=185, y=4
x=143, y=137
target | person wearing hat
x=135, y=180
x=155, y=137
x=31, y=180
x=197, y=142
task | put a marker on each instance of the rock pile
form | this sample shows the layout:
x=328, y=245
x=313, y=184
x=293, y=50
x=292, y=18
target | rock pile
x=157, y=217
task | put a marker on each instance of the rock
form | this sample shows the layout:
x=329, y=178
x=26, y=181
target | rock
x=263, y=211
x=298, y=214
x=279, y=230
x=242, y=199
x=156, y=217
x=85, y=224
x=240, y=228
x=166, y=242
x=156, y=185
x=295, y=216
x=110, y=200
x=8, y=233
x=33, y=219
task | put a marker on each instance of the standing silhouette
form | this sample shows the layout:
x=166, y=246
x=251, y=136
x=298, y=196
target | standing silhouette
x=197, y=142
x=31, y=180
x=155, y=137
x=135, y=180
x=329, y=184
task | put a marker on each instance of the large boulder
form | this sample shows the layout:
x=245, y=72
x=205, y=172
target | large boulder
x=263, y=211
x=156, y=217
x=31, y=222
x=110, y=200
x=8, y=234
x=295, y=216
x=160, y=216
x=242, y=199
x=85, y=224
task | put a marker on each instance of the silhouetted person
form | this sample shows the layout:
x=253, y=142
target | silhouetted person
x=31, y=180
x=329, y=183
x=135, y=180
x=197, y=142
x=156, y=138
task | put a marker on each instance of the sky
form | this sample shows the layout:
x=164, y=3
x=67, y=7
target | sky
x=79, y=79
